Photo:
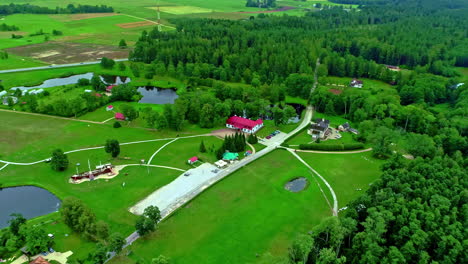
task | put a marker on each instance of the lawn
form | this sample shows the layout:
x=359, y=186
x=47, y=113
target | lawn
x=346, y=173
x=25, y=138
x=247, y=213
x=178, y=152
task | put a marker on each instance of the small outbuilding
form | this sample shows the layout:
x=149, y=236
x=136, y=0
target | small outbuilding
x=356, y=83
x=229, y=156
x=109, y=108
x=39, y=260
x=119, y=116
x=221, y=164
x=3, y=93
x=109, y=88
x=192, y=160
x=6, y=99
x=248, y=153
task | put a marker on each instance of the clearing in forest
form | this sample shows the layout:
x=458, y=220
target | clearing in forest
x=183, y=10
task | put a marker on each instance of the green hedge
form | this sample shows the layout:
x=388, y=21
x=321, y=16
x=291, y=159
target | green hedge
x=331, y=147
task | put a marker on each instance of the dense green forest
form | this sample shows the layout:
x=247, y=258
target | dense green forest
x=70, y=9
x=416, y=213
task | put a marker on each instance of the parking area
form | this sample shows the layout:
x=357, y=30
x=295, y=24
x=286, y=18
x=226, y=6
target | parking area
x=171, y=194
x=273, y=139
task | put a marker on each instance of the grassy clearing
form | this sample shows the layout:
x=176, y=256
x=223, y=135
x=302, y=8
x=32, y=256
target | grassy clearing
x=107, y=199
x=25, y=138
x=346, y=172
x=247, y=213
x=15, y=62
x=177, y=153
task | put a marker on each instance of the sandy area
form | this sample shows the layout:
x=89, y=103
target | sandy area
x=135, y=24
x=57, y=256
x=45, y=54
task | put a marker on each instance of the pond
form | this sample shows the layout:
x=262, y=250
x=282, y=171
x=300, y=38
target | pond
x=73, y=79
x=30, y=201
x=156, y=95
x=296, y=185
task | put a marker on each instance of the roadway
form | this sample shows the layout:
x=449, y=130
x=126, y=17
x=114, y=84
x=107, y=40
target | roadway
x=56, y=66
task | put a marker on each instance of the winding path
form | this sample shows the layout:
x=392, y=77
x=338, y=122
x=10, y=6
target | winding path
x=331, y=152
x=335, y=200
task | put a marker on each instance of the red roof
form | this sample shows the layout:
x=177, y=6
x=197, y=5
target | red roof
x=119, y=116
x=240, y=122
x=109, y=88
x=193, y=159
x=39, y=260
x=110, y=106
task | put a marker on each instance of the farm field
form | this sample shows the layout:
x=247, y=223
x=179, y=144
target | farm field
x=254, y=199
x=246, y=214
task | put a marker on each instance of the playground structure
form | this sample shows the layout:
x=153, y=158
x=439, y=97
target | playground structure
x=106, y=169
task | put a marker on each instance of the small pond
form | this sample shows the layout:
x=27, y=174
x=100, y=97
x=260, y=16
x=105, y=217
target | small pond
x=156, y=95
x=30, y=201
x=73, y=79
x=296, y=185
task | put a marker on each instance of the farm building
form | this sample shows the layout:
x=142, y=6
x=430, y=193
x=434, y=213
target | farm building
x=39, y=91
x=248, y=153
x=319, y=128
x=13, y=99
x=356, y=83
x=392, y=67
x=244, y=124
x=229, y=156
x=3, y=93
x=119, y=116
x=109, y=108
x=347, y=128
x=192, y=160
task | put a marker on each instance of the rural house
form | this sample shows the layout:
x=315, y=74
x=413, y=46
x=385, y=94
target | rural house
x=244, y=124
x=319, y=128
x=109, y=108
x=109, y=88
x=347, y=128
x=192, y=160
x=119, y=116
x=356, y=83
x=13, y=99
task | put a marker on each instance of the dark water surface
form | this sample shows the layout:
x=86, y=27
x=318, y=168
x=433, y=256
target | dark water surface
x=30, y=201
x=155, y=95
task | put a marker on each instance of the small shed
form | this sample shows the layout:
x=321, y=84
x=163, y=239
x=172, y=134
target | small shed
x=109, y=108
x=3, y=93
x=119, y=116
x=97, y=95
x=88, y=91
x=230, y=156
x=192, y=160
x=221, y=164
x=248, y=153
x=39, y=260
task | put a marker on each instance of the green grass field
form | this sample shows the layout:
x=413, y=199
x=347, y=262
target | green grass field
x=247, y=213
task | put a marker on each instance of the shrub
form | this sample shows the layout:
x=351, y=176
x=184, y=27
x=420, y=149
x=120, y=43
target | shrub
x=117, y=124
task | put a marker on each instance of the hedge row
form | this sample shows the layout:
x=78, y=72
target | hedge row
x=331, y=147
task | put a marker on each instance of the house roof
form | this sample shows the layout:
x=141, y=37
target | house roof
x=39, y=260
x=320, y=124
x=230, y=156
x=240, y=122
x=109, y=88
x=110, y=106
x=249, y=151
x=346, y=125
x=193, y=159
x=119, y=116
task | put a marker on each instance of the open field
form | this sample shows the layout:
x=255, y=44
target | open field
x=346, y=173
x=54, y=52
x=247, y=213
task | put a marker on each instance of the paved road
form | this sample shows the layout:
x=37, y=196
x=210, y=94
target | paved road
x=56, y=66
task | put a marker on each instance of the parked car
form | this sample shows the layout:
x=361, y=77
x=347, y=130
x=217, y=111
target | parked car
x=187, y=174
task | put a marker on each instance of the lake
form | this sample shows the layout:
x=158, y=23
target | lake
x=30, y=201
x=73, y=79
x=156, y=95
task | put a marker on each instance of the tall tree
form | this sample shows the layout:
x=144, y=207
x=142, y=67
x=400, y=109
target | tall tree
x=113, y=147
x=59, y=160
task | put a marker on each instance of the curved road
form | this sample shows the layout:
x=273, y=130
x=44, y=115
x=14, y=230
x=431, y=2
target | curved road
x=56, y=66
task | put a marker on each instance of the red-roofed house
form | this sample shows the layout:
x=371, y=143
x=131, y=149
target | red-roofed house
x=109, y=108
x=119, y=116
x=192, y=160
x=244, y=124
x=109, y=88
x=39, y=260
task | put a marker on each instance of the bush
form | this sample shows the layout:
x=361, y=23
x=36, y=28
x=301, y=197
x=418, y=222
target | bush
x=331, y=147
x=117, y=124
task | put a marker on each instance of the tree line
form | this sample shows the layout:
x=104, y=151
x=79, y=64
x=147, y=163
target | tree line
x=70, y=9
x=5, y=27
